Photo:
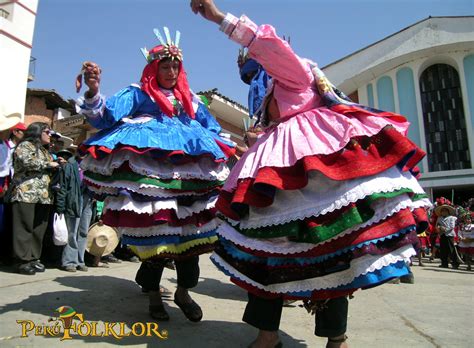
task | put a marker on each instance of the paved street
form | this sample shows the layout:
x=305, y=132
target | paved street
x=437, y=311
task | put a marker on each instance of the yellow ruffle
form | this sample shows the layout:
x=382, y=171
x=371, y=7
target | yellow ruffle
x=146, y=252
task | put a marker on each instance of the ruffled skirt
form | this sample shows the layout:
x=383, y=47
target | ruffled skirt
x=316, y=210
x=159, y=183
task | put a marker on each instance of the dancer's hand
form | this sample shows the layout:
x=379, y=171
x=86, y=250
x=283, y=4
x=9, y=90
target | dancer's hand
x=251, y=135
x=208, y=10
x=92, y=74
x=240, y=150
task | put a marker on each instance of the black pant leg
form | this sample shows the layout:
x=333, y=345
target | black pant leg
x=149, y=275
x=40, y=224
x=6, y=237
x=23, y=221
x=444, y=250
x=263, y=313
x=452, y=252
x=331, y=320
x=187, y=271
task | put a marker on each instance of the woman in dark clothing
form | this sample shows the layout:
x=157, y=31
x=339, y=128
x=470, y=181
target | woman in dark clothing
x=31, y=197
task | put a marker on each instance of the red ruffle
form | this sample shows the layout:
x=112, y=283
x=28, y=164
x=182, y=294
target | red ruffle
x=468, y=250
x=177, y=156
x=316, y=295
x=124, y=218
x=422, y=219
x=393, y=224
x=363, y=156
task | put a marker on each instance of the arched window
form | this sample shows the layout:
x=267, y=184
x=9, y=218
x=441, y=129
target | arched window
x=443, y=114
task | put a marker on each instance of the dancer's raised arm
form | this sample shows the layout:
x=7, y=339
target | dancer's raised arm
x=271, y=51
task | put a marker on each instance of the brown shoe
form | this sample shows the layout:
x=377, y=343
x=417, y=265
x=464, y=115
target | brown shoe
x=69, y=268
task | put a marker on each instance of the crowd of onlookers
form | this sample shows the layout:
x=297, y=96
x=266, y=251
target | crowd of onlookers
x=450, y=234
x=40, y=180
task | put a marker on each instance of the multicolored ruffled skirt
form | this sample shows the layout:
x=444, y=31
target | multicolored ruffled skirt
x=159, y=189
x=315, y=211
x=466, y=244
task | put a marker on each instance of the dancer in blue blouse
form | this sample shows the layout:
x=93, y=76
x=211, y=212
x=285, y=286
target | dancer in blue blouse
x=159, y=161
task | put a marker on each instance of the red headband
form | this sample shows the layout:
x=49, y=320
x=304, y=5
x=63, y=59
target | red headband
x=180, y=90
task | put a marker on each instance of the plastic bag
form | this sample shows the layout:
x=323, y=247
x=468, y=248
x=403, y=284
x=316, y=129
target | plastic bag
x=60, y=234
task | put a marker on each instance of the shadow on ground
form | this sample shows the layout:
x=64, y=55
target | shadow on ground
x=216, y=289
x=110, y=299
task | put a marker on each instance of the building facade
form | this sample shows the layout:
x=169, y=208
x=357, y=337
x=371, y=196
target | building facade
x=17, y=21
x=426, y=73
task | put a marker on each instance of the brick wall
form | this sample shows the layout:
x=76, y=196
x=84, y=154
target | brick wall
x=354, y=96
x=36, y=111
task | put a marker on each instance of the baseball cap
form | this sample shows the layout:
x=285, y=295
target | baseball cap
x=19, y=126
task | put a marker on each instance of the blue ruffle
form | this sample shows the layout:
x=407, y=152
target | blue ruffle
x=302, y=261
x=164, y=240
x=365, y=281
x=192, y=136
x=369, y=280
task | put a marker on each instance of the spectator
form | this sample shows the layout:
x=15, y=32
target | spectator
x=445, y=227
x=466, y=237
x=6, y=122
x=69, y=201
x=31, y=197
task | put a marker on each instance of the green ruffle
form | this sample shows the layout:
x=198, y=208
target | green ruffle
x=170, y=184
x=299, y=231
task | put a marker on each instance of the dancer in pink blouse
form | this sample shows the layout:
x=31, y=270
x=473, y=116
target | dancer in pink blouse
x=324, y=203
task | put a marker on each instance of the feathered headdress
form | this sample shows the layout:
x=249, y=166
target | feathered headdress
x=169, y=48
x=166, y=50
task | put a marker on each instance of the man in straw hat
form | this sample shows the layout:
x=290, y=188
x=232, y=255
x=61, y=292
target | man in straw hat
x=445, y=227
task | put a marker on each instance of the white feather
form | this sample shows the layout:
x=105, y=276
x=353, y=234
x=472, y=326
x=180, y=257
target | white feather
x=178, y=37
x=159, y=37
x=167, y=34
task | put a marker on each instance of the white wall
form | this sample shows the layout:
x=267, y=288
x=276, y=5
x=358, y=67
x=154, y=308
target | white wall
x=420, y=40
x=16, y=37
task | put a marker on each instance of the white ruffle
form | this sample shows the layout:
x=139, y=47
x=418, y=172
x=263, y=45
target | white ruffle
x=121, y=203
x=136, y=120
x=464, y=244
x=282, y=245
x=103, y=190
x=360, y=266
x=467, y=232
x=323, y=195
x=166, y=230
x=143, y=189
x=205, y=169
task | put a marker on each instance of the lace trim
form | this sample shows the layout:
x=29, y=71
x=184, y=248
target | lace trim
x=360, y=266
x=205, y=169
x=323, y=195
x=103, y=190
x=143, y=189
x=121, y=203
x=168, y=230
x=283, y=246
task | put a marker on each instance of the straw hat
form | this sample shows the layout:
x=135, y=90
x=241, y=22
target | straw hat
x=450, y=208
x=7, y=120
x=101, y=240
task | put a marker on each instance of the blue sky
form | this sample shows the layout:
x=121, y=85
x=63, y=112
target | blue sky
x=110, y=32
